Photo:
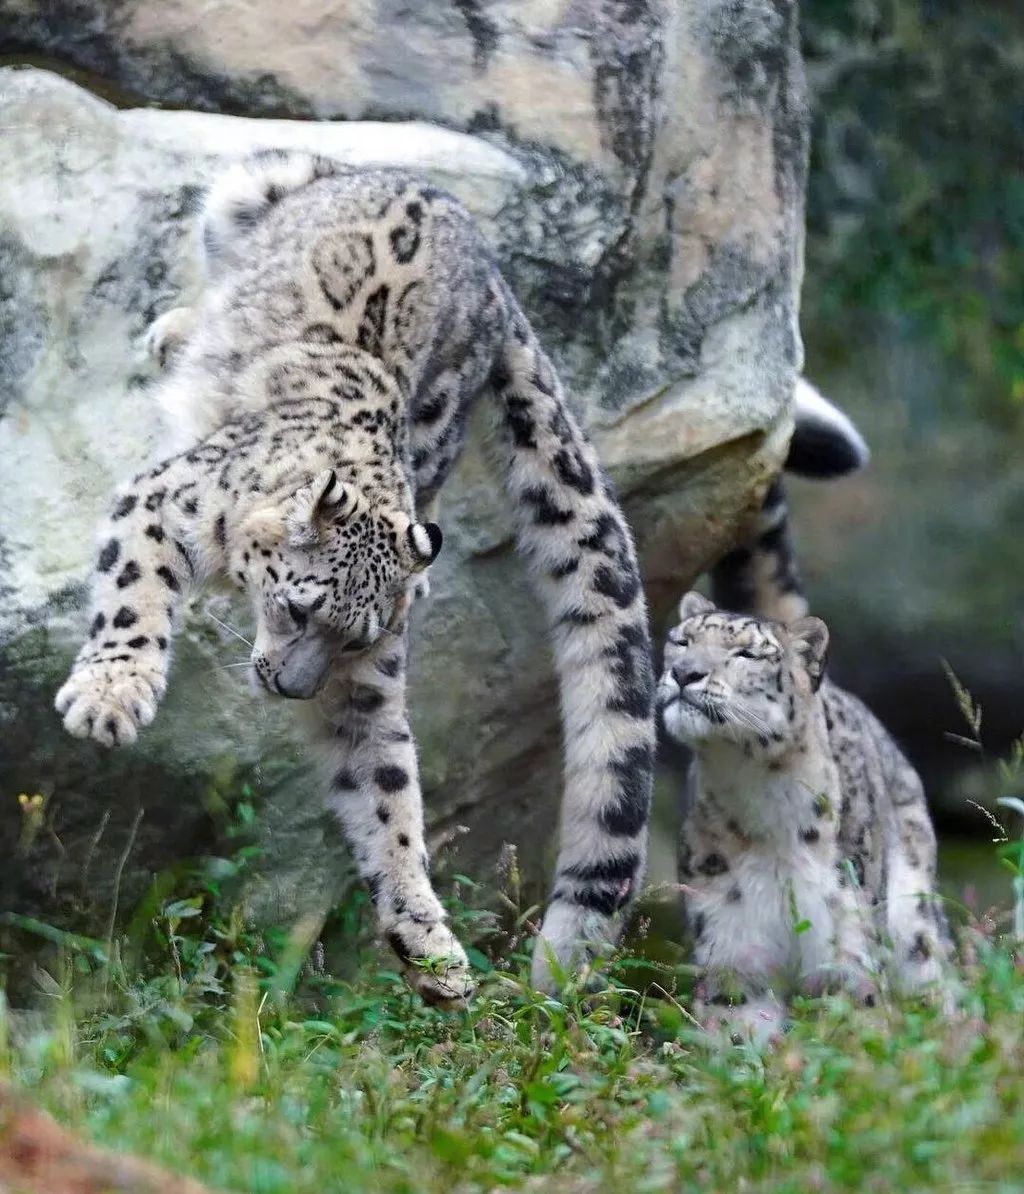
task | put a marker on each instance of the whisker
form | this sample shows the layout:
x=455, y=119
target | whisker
x=747, y=715
x=732, y=724
x=759, y=725
x=227, y=667
x=733, y=716
x=753, y=722
x=229, y=629
x=714, y=708
x=741, y=718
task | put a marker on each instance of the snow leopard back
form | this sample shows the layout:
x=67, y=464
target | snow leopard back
x=395, y=268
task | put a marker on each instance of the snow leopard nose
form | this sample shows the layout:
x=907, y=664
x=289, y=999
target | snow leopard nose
x=687, y=675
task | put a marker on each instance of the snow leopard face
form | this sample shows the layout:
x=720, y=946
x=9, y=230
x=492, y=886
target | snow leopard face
x=740, y=679
x=328, y=575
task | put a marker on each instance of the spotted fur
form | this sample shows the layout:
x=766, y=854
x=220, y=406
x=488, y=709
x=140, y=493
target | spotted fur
x=808, y=853
x=317, y=396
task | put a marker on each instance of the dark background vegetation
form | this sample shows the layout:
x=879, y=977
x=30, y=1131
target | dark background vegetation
x=913, y=319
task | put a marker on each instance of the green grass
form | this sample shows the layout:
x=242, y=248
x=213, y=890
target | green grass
x=222, y=1058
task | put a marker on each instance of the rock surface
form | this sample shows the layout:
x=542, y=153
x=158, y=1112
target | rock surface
x=640, y=172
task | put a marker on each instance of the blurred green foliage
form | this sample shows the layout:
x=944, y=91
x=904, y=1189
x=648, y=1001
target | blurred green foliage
x=916, y=190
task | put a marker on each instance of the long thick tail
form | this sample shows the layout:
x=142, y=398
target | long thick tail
x=572, y=533
x=825, y=442
x=761, y=576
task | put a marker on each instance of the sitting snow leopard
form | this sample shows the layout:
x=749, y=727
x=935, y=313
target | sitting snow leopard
x=318, y=395
x=808, y=841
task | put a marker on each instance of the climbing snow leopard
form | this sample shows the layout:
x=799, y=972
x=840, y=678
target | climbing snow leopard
x=807, y=843
x=318, y=393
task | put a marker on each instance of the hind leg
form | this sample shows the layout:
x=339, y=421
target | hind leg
x=580, y=554
x=914, y=918
x=916, y=928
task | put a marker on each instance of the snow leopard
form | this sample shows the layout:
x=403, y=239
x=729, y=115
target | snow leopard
x=807, y=854
x=316, y=397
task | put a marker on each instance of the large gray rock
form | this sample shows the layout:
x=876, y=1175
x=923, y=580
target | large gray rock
x=641, y=178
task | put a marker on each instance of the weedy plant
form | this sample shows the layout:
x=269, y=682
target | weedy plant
x=1008, y=778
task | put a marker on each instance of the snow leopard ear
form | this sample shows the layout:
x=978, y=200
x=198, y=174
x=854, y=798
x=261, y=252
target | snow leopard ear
x=325, y=498
x=694, y=603
x=425, y=541
x=809, y=638
x=266, y=525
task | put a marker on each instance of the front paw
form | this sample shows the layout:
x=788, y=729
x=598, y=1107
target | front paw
x=166, y=335
x=435, y=964
x=109, y=700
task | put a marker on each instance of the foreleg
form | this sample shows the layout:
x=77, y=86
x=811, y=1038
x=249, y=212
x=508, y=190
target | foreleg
x=374, y=790
x=843, y=957
x=147, y=558
x=741, y=940
x=735, y=991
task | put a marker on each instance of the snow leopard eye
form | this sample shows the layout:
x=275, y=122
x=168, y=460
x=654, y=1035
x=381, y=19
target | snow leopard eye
x=748, y=654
